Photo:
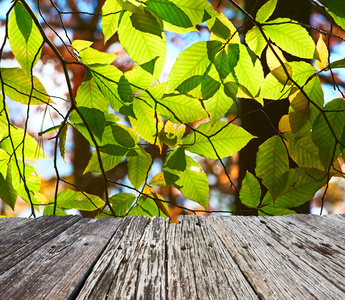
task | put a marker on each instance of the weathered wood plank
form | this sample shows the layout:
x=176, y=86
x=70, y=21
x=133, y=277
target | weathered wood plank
x=123, y=271
x=21, y=242
x=199, y=266
x=328, y=226
x=319, y=252
x=273, y=270
x=8, y=224
x=58, y=268
x=289, y=257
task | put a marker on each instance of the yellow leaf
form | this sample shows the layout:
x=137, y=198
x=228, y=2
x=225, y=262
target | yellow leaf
x=146, y=191
x=161, y=205
x=284, y=124
x=80, y=45
x=297, y=100
x=41, y=198
x=272, y=60
x=260, y=100
x=321, y=53
x=158, y=180
x=176, y=129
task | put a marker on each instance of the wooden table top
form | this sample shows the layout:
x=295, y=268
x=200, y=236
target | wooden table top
x=288, y=257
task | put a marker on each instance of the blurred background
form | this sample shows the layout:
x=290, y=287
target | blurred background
x=76, y=19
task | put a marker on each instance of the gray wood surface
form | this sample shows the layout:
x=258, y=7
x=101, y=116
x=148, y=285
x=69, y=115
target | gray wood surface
x=9, y=224
x=16, y=245
x=59, y=267
x=137, y=243
x=199, y=266
x=289, y=257
x=274, y=271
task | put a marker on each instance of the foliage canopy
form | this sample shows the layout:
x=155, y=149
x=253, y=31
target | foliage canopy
x=186, y=113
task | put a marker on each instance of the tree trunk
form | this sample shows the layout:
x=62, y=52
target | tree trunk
x=257, y=123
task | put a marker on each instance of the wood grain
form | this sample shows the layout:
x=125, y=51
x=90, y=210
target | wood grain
x=288, y=257
x=199, y=266
x=58, y=268
x=9, y=224
x=19, y=244
x=273, y=270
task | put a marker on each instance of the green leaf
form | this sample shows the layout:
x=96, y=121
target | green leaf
x=31, y=149
x=255, y=40
x=131, y=6
x=209, y=87
x=220, y=103
x=266, y=11
x=7, y=192
x=303, y=151
x=302, y=113
x=220, y=29
x=323, y=137
x=193, y=183
x=91, y=56
x=336, y=8
x=169, y=12
x=110, y=18
x=3, y=125
x=107, y=137
x=249, y=72
x=300, y=188
x=291, y=37
x=49, y=211
x=272, y=162
x=107, y=78
x=177, y=29
x=140, y=78
x=95, y=119
x=69, y=199
x=196, y=10
x=109, y=162
x=24, y=20
x=121, y=202
x=145, y=123
x=90, y=96
x=4, y=160
x=147, y=207
x=146, y=22
x=193, y=61
x=32, y=181
x=123, y=137
x=115, y=150
x=62, y=138
x=18, y=87
x=227, y=139
x=250, y=192
x=181, y=108
x=80, y=45
x=269, y=209
x=273, y=89
x=302, y=71
x=138, y=167
x=336, y=64
x=153, y=94
x=146, y=49
x=24, y=37
x=172, y=134
x=222, y=64
x=176, y=160
x=125, y=91
x=174, y=166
